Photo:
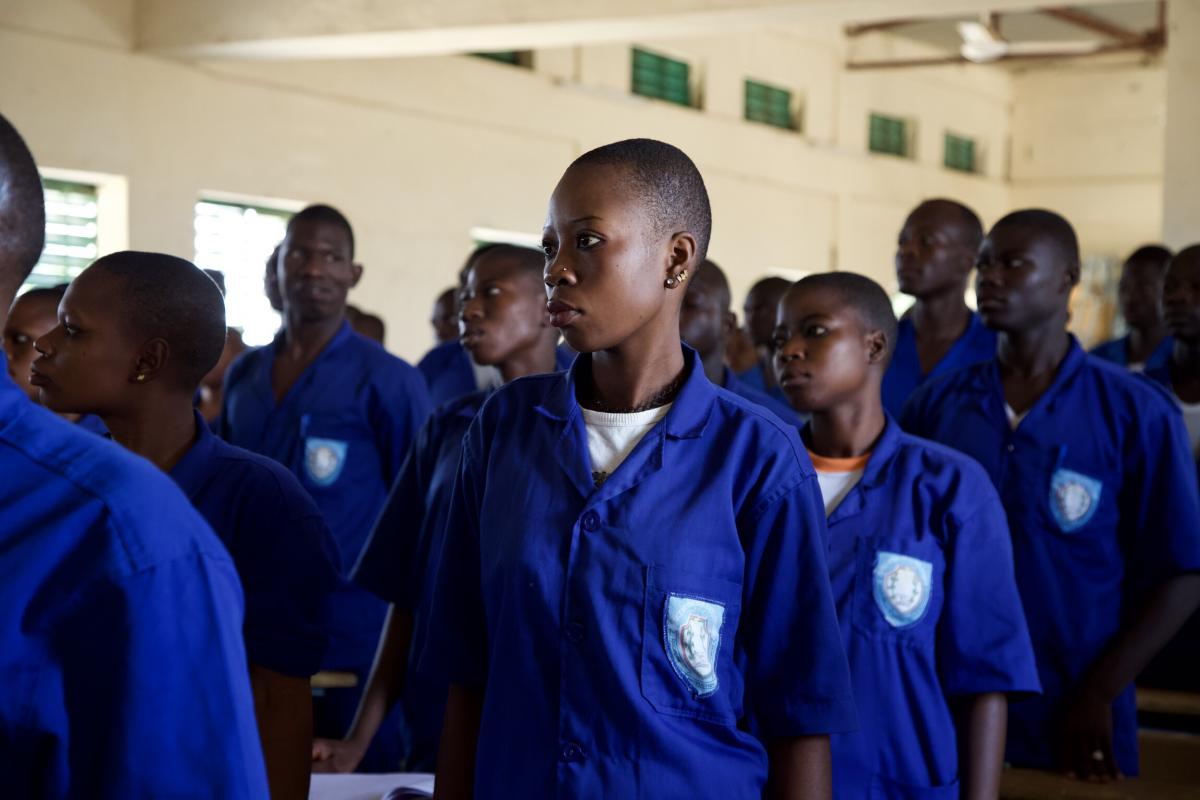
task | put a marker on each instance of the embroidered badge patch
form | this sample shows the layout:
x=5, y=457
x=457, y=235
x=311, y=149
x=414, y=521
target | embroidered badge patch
x=692, y=635
x=1074, y=498
x=902, y=588
x=324, y=459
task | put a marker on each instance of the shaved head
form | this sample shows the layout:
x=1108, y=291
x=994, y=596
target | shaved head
x=22, y=213
x=172, y=299
x=665, y=181
x=1051, y=227
x=710, y=276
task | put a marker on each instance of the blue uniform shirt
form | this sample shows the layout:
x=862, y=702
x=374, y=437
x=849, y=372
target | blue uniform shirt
x=448, y=372
x=903, y=376
x=283, y=552
x=92, y=423
x=342, y=429
x=770, y=402
x=921, y=565
x=643, y=638
x=1117, y=351
x=1102, y=502
x=755, y=379
x=397, y=560
x=121, y=653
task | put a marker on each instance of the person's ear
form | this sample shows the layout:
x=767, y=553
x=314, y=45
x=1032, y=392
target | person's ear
x=151, y=360
x=728, y=325
x=1072, y=272
x=876, y=347
x=680, y=257
x=356, y=271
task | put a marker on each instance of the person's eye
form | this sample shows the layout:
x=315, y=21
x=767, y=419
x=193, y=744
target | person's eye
x=548, y=249
x=70, y=330
x=20, y=338
x=1014, y=263
x=927, y=241
x=586, y=241
x=779, y=340
x=815, y=331
x=491, y=291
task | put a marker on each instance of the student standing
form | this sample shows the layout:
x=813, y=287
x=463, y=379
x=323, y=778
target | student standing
x=631, y=599
x=505, y=325
x=919, y=557
x=1147, y=345
x=340, y=413
x=1094, y=470
x=138, y=333
x=120, y=611
x=706, y=324
x=934, y=258
x=762, y=301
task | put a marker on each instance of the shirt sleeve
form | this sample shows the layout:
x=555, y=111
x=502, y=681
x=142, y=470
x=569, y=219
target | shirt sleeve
x=391, y=565
x=397, y=411
x=983, y=641
x=1160, y=508
x=152, y=686
x=797, y=678
x=456, y=649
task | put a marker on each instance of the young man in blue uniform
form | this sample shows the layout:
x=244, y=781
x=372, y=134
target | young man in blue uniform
x=631, y=599
x=934, y=258
x=762, y=301
x=1093, y=468
x=340, y=413
x=505, y=325
x=705, y=324
x=120, y=611
x=919, y=557
x=139, y=332
x=1147, y=345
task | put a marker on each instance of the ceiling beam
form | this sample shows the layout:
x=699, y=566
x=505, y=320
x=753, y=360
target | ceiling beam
x=1091, y=22
x=1145, y=46
x=882, y=25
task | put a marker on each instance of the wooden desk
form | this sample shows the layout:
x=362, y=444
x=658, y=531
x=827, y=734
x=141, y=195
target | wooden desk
x=334, y=680
x=1029, y=784
x=1163, y=701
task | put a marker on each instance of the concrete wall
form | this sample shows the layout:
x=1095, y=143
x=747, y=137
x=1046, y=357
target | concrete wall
x=1088, y=142
x=417, y=152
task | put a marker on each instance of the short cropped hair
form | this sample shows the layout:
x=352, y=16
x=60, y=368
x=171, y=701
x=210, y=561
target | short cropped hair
x=526, y=258
x=1156, y=255
x=666, y=182
x=1051, y=225
x=324, y=214
x=971, y=225
x=22, y=209
x=710, y=274
x=865, y=296
x=170, y=298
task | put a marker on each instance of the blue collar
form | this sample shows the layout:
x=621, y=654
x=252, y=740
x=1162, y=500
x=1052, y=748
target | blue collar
x=687, y=419
x=986, y=382
x=340, y=337
x=194, y=469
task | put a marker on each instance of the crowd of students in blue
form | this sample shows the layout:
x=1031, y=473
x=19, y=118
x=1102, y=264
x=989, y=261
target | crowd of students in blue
x=572, y=553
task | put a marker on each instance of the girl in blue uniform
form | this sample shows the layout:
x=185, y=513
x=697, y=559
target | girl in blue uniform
x=631, y=598
x=1094, y=470
x=505, y=325
x=137, y=332
x=1148, y=343
x=919, y=558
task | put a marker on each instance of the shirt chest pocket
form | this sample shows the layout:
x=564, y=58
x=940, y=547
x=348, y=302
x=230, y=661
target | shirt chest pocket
x=332, y=444
x=1075, y=499
x=898, y=589
x=689, y=623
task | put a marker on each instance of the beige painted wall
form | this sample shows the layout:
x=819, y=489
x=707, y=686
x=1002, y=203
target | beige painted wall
x=419, y=151
x=1088, y=142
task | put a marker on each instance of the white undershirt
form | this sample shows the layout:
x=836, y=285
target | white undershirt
x=612, y=437
x=836, y=485
x=1014, y=419
x=487, y=377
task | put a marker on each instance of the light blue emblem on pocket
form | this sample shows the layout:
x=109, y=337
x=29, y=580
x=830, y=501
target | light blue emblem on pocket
x=692, y=635
x=1074, y=498
x=902, y=588
x=324, y=459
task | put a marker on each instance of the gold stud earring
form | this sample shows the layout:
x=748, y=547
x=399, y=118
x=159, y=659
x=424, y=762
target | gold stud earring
x=141, y=377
